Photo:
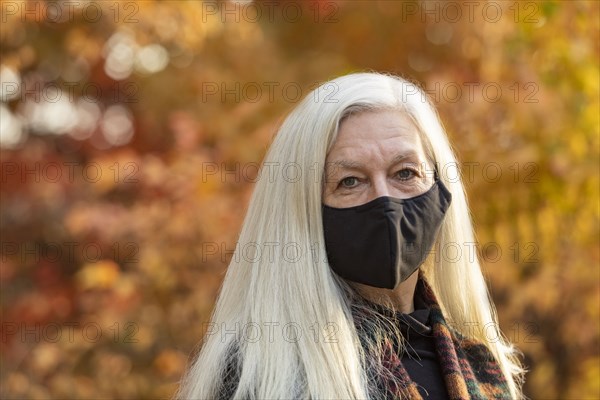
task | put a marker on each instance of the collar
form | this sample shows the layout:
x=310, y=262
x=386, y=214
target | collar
x=417, y=320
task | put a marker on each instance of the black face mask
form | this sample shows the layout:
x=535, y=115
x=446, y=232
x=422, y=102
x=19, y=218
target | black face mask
x=383, y=242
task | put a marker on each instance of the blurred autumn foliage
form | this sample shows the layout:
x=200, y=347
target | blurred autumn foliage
x=131, y=132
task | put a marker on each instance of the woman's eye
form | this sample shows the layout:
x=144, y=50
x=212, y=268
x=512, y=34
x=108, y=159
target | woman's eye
x=349, y=182
x=406, y=174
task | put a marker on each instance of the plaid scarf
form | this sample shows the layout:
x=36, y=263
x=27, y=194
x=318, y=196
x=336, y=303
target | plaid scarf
x=469, y=369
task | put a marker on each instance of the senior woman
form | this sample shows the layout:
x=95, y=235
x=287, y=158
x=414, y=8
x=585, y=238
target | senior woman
x=353, y=301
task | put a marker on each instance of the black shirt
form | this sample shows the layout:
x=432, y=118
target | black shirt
x=419, y=357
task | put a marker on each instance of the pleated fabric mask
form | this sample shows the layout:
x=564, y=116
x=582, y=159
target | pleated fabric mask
x=383, y=242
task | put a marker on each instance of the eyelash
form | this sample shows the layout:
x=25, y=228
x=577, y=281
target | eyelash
x=414, y=171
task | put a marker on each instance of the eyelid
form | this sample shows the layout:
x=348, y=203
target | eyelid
x=417, y=171
x=410, y=165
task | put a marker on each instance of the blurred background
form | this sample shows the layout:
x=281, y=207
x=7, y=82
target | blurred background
x=131, y=133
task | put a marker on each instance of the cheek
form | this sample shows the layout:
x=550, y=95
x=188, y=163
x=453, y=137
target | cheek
x=416, y=189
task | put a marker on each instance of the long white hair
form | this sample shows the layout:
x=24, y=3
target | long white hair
x=283, y=320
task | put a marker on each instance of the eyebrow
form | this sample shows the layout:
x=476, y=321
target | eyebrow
x=348, y=164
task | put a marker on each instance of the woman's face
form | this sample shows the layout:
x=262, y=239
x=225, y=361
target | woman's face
x=376, y=153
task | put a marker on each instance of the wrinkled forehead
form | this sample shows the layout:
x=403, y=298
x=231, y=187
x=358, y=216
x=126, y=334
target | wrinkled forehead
x=375, y=134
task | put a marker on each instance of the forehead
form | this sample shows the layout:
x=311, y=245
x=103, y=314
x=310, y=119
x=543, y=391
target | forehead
x=378, y=133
